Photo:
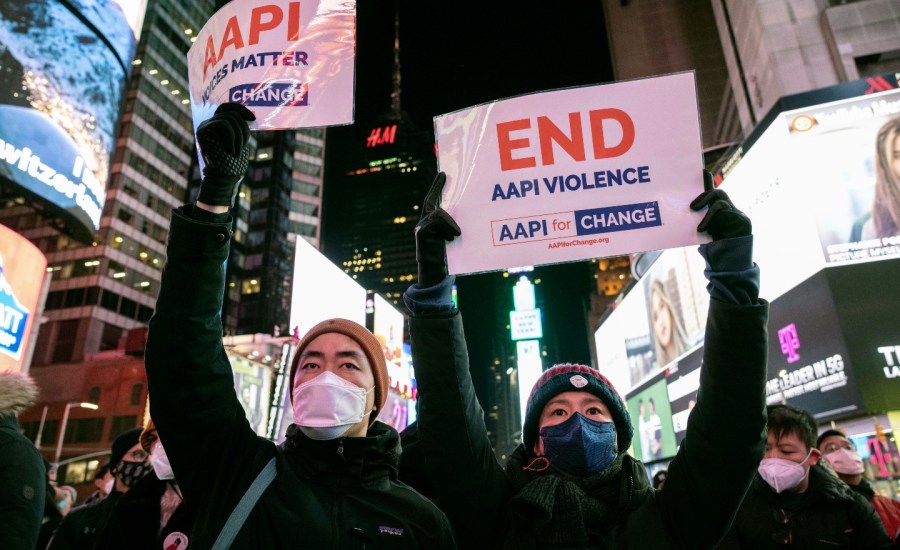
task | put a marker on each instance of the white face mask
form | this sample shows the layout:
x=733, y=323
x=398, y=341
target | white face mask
x=160, y=462
x=327, y=406
x=108, y=486
x=782, y=474
x=845, y=461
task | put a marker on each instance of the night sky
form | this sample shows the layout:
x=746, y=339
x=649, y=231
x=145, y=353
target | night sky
x=459, y=54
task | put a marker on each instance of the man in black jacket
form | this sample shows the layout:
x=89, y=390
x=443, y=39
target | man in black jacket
x=571, y=484
x=336, y=484
x=23, y=478
x=796, y=502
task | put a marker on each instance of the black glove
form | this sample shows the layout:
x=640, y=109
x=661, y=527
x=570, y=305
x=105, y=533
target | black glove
x=722, y=220
x=434, y=229
x=223, y=141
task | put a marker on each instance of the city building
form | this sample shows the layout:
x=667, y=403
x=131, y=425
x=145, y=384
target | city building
x=106, y=286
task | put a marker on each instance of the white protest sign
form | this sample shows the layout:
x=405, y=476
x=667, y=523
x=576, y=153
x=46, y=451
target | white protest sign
x=573, y=174
x=290, y=62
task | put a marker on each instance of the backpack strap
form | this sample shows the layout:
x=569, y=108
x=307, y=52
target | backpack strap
x=245, y=506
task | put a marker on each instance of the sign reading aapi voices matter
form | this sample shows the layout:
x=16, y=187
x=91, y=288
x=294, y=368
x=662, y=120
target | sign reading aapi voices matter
x=290, y=62
x=573, y=174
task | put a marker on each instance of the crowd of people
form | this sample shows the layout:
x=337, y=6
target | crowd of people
x=763, y=478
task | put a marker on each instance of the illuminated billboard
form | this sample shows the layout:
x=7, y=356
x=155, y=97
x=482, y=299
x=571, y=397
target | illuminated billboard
x=321, y=290
x=388, y=330
x=660, y=319
x=64, y=68
x=22, y=271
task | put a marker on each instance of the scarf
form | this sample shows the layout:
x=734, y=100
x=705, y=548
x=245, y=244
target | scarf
x=560, y=509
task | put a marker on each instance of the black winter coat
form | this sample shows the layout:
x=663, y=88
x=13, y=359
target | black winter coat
x=327, y=494
x=23, y=482
x=134, y=524
x=830, y=516
x=707, y=479
x=83, y=525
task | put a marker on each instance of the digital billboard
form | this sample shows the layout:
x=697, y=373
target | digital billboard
x=64, y=68
x=660, y=319
x=22, y=271
x=388, y=330
x=809, y=363
x=651, y=416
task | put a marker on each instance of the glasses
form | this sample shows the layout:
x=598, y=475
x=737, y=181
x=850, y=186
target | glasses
x=139, y=455
x=782, y=533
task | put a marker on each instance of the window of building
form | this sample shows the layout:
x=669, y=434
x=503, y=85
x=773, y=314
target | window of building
x=250, y=286
x=94, y=395
x=84, y=430
x=120, y=424
x=304, y=188
x=109, y=339
x=304, y=208
x=137, y=391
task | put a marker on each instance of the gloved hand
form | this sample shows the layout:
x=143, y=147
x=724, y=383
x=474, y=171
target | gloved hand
x=434, y=230
x=722, y=220
x=223, y=141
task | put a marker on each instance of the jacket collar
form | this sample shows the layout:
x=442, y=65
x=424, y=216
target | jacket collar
x=355, y=460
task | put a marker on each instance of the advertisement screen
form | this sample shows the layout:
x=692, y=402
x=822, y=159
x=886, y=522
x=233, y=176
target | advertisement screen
x=22, y=271
x=809, y=365
x=252, y=383
x=682, y=383
x=321, y=290
x=662, y=318
x=389, y=332
x=846, y=153
x=64, y=68
x=651, y=416
x=867, y=296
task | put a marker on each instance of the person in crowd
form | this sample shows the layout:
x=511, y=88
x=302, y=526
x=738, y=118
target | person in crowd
x=151, y=515
x=571, y=483
x=669, y=339
x=82, y=527
x=796, y=502
x=103, y=484
x=23, y=477
x=840, y=453
x=883, y=220
x=336, y=481
x=659, y=479
x=66, y=496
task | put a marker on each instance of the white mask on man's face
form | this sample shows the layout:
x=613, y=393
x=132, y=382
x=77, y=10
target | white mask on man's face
x=846, y=461
x=160, y=462
x=327, y=406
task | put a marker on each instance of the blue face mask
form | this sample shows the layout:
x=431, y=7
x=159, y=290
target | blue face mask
x=580, y=446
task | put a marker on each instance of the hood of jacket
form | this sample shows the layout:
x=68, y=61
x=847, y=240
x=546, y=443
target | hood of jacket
x=17, y=392
x=365, y=460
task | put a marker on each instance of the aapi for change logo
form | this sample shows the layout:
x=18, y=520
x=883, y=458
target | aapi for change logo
x=13, y=319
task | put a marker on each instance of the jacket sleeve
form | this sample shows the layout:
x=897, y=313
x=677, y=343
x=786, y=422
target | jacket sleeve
x=726, y=430
x=470, y=484
x=192, y=400
x=868, y=529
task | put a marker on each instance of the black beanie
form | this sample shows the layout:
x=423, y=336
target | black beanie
x=120, y=446
x=570, y=377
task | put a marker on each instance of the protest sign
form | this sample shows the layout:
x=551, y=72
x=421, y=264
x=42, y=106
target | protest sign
x=573, y=174
x=290, y=62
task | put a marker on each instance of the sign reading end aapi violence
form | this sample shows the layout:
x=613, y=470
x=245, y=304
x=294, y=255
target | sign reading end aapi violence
x=573, y=174
x=290, y=62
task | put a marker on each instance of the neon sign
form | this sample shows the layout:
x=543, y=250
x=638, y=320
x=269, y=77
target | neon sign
x=382, y=136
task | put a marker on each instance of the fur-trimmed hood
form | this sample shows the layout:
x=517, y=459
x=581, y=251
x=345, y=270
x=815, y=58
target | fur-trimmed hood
x=17, y=392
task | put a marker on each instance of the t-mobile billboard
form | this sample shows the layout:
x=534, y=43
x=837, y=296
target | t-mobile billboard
x=64, y=67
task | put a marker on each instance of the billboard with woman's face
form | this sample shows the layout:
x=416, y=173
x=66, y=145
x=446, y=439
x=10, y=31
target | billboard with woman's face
x=64, y=66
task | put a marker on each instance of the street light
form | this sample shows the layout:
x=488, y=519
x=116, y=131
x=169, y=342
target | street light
x=65, y=420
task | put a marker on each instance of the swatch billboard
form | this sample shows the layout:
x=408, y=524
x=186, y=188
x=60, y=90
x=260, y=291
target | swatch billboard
x=64, y=68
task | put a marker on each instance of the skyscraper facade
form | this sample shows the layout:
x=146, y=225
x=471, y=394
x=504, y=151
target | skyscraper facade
x=101, y=289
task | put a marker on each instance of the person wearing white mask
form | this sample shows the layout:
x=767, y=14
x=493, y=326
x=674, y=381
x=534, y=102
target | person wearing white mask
x=151, y=515
x=840, y=453
x=795, y=501
x=335, y=476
